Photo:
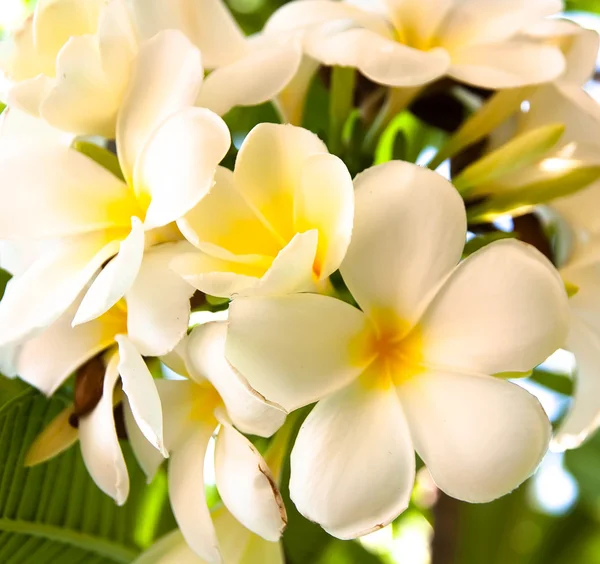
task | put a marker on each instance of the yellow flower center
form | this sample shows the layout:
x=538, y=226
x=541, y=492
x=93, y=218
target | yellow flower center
x=204, y=402
x=393, y=354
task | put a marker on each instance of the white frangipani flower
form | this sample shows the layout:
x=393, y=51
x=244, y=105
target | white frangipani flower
x=408, y=43
x=583, y=272
x=279, y=223
x=414, y=370
x=151, y=321
x=214, y=396
x=168, y=152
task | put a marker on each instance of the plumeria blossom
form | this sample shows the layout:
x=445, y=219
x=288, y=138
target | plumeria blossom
x=415, y=368
x=582, y=273
x=214, y=395
x=72, y=61
x=151, y=321
x=168, y=151
x=244, y=71
x=280, y=222
x=408, y=43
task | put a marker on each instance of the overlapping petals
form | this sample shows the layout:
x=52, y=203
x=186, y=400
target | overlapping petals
x=411, y=352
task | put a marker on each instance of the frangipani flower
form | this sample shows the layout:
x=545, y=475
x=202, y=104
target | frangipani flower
x=408, y=43
x=245, y=71
x=415, y=368
x=280, y=222
x=71, y=63
x=214, y=395
x=168, y=152
x=151, y=321
x=583, y=272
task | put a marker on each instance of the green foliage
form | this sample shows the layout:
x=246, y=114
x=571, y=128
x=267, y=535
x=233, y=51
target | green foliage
x=592, y=6
x=100, y=155
x=54, y=512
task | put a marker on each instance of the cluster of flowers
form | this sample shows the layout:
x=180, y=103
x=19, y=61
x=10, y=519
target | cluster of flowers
x=108, y=249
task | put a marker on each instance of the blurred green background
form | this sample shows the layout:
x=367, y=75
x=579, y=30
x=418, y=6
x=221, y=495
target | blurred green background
x=553, y=519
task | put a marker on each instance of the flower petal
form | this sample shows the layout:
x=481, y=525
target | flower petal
x=138, y=385
x=252, y=80
x=169, y=549
x=186, y=489
x=28, y=96
x=166, y=77
x=246, y=484
x=583, y=417
x=325, y=201
x=158, y=302
x=409, y=232
x=353, y=463
x=38, y=297
x=507, y=65
x=115, y=278
x=268, y=171
x=208, y=24
x=178, y=163
x=146, y=455
x=379, y=58
x=294, y=349
x=248, y=411
x=99, y=442
x=51, y=191
x=47, y=360
x=504, y=309
x=479, y=436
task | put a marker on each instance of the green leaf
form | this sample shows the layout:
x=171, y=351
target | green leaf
x=520, y=200
x=494, y=112
x=54, y=512
x=341, y=100
x=561, y=383
x=100, y=155
x=481, y=241
x=583, y=463
x=521, y=151
x=592, y=6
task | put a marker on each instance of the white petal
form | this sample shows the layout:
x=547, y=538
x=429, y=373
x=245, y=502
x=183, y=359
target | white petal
x=268, y=171
x=81, y=101
x=248, y=411
x=246, y=484
x=252, y=80
x=28, y=96
x=583, y=416
x=208, y=24
x=507, y=65
x=177, y=165
x=145, y=454
x=158, y=303
x=224, y=218
x=50, y=191
x=47, y=360
x=38, y=297
x=186, y=489
x=139, y=386
x=292, y=98
x=166, y=77
x=353, y=463
x=479, y=436
x=99, y=442
x=294, y=349
x=409, y=232
x=115, y=278
x=177, y=399
x=379, y=58
x=504, y=309
x=18, y=127
x=325, y=201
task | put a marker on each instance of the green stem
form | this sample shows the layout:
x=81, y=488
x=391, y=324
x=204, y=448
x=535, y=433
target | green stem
x=341, y=102
x=89, y=543
x=397, y=100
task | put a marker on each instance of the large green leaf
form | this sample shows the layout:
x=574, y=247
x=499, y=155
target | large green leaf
x=54, y=512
